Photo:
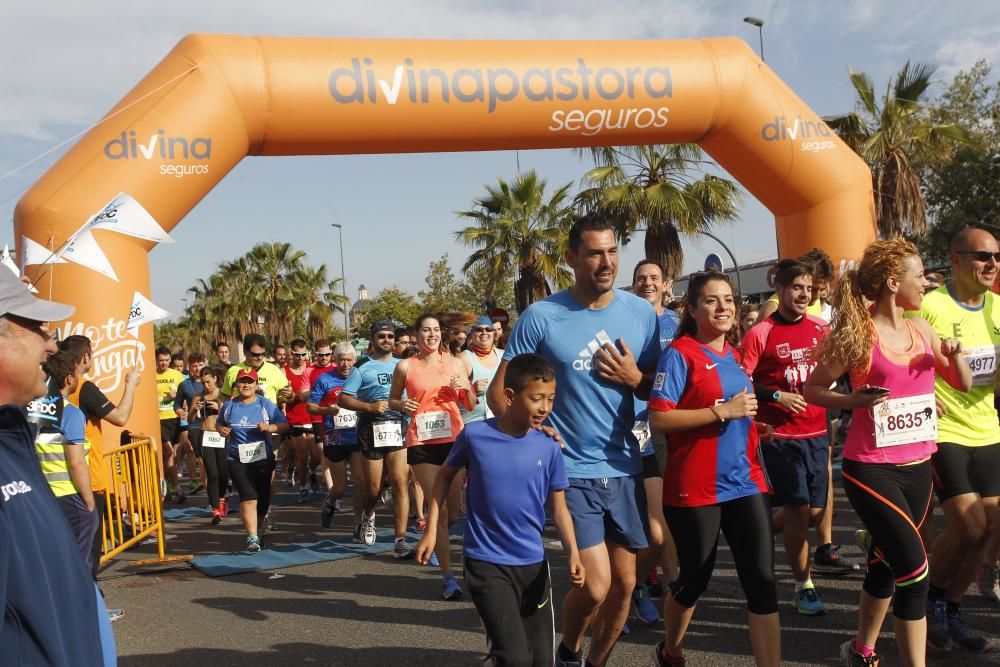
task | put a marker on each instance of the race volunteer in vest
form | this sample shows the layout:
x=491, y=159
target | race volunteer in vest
x=191, y=430
x=592, y=334
x=64, y=457
x=886, y=469
x=246, y=422
x=272, y=382
x=167, y=382
x=340, y=441
x=366, y=396
x=704, y=401
x=206, y=407
x=52, y=612
x=300, y=434
x=967, y=462
x=435, y=382
x=648, y=282
x=484, y=358
x=778, y=355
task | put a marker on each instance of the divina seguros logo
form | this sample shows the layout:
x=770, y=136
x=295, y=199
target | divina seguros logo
x=128, y=146
x=813, y=136
x=361, y=84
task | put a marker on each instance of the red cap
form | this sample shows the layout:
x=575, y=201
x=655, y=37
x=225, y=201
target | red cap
x=246, y=373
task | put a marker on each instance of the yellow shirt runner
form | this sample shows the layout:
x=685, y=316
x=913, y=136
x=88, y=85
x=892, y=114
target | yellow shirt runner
x=167, y=383
x=270, y=379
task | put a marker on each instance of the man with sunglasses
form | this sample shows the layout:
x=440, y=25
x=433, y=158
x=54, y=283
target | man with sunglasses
x=967, y=463
x=300, y=442
x=401, y=345
x=322, y=363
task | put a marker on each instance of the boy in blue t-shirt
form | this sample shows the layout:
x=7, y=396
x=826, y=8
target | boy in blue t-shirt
x=513, y=468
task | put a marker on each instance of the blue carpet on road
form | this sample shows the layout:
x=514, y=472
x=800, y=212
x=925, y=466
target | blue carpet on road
x=204, y=511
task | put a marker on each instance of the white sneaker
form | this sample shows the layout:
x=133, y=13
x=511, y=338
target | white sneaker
x=368, y=535
x=988, y=579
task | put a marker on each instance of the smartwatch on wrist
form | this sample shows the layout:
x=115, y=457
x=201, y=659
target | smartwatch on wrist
x=776, y=396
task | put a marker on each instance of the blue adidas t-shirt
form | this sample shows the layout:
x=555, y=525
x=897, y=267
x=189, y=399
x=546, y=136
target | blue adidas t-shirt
x=510, y=480
x=243, y=418
x=371, y=382
x=593, y=416
x=322, y=386
x=669, y=321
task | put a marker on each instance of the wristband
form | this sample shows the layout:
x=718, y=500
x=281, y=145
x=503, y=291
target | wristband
x=716, y=413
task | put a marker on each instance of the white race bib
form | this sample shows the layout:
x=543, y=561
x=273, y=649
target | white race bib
x=387, y=434
x=433, y=425
x=251, y=452
x=641, y=432
x=983, y=364
x=345, y=419
x=212, y=440
x=902, y=421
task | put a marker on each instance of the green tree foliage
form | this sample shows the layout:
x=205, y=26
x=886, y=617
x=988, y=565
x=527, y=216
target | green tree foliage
x=445, y=292
x=271, y=290
x=661, y=189
x=519, y=230
x=391, y=303
x=962, y=186
x=894, y=134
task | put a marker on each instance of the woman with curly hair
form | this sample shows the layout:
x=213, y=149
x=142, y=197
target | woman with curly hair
x=892, y=361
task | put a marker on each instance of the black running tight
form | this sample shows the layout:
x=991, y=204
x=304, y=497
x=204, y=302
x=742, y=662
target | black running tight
x=746, y=523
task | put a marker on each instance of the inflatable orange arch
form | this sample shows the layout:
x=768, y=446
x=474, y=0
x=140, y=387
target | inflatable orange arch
x=215, y=99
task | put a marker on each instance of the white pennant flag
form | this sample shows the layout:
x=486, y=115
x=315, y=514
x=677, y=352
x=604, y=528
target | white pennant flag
x=125, y=215
x=143, y=311
x=83, y=250
x=35, y=254
x=9, y=262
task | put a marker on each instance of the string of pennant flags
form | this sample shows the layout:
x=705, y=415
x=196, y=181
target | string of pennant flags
x=124, y=215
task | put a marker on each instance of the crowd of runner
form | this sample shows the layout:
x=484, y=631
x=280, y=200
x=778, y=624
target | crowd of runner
x=642, y=431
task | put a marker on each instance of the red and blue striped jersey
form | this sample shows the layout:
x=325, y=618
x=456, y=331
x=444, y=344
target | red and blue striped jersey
x=718, y=462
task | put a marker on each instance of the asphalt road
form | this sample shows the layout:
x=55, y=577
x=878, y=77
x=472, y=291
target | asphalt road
x=374, y=610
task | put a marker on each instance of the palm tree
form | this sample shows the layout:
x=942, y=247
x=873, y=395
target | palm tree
x=892, y=135
x=321, y=297
x=652, y=187
x=519, y=231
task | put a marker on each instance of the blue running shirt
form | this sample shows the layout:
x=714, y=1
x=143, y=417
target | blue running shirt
x=243, y=419
x=371, y=382
x=593, y=416
x=510, y=480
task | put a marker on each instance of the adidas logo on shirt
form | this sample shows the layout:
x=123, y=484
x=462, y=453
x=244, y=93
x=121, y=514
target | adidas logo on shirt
x=585, y=362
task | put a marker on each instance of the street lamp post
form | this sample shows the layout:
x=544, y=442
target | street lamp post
x=343, y=276
x=759, y=24
x=736, y=266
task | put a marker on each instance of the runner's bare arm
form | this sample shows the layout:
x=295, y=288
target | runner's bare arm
x=766, y=310
x=494, y=393
x=396, y=401
x=817, y=391
x=79, y=472
x=949, y=361
x=119, y=416
x=314, y=409
x=564, y=526
x=743, y=404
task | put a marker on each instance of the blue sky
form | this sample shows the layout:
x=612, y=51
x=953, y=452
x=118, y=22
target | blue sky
x=67, y=63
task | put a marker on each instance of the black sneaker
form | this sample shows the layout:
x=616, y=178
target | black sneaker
x=660, y=662
x=964, y=636
x=828, y=560
x=852, y=659
x=326, y=514
x=938, y=637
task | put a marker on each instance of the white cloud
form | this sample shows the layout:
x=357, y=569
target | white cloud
x=961, y=50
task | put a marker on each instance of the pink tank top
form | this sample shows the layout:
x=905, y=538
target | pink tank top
x=909, y=373
x=437, y=420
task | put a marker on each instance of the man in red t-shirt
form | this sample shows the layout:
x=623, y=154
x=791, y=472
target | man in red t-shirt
x=778, y=355
x=300, y=433
x=322, y=362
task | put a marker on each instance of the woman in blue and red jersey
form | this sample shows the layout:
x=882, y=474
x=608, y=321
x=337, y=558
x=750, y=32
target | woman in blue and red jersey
x=713, y=480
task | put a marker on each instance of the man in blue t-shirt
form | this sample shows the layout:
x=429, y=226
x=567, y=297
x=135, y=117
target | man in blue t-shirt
x=380, y=433
x=505, y=568
x=603, y=344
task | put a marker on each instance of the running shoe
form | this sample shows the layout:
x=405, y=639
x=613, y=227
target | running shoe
x=421, y=524
x=314, y=480
x=223, y=507
x=115, y=615
x=269, y=524
x=357, y=534
x=368, y=534
x=807, y=602
x=964, y=636
x=654, y=584
x=645, y=608
x=827, y=559
x=660, y=661
x=938, y=637
x=303, y=496
x=988, y=579
x=326, y=514
x=337, y=504
x=253, y=544
x=452, y=591
x=853, y=659
x=386, y=496
x=433, y=560
x=402, y=551
x=216, y=516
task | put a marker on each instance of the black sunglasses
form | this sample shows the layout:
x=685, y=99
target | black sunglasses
x=980, y=255
x=483, y=330
x=300, y=354
x=324, y=354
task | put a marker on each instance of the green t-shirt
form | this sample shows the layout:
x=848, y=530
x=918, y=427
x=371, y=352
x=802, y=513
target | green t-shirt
x=971, y=419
